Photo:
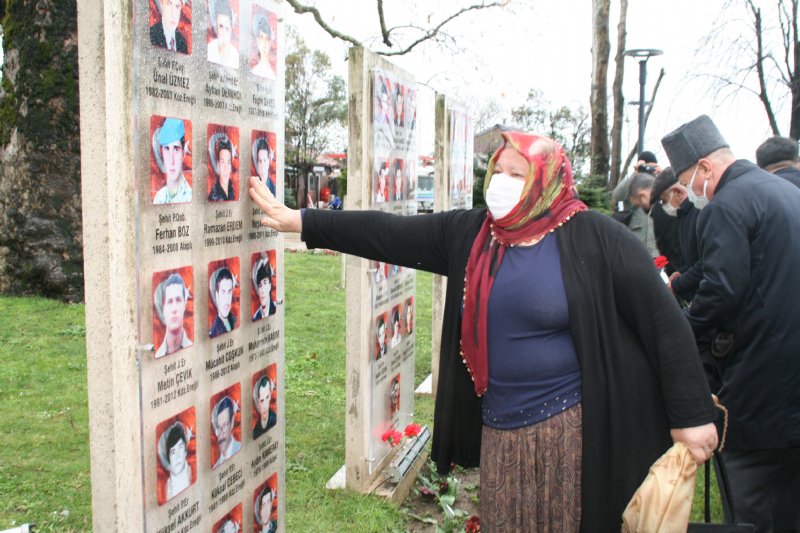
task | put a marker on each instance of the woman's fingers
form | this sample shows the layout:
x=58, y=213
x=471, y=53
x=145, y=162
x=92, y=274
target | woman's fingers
x=277, y=216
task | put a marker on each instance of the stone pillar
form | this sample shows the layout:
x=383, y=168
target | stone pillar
x=106, y=96
x=184, y=289
x=373, y=374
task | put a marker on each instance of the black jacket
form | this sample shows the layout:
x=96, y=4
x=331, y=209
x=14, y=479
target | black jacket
x=749, y=242
x=157, y=38
x=790, y=174
x=640, y=369
x=667, y=232
x=686, y=284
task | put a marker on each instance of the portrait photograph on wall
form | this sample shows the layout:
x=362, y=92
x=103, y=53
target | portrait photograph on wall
x=173, y=311
x=394, y=396
x=264, y=49
x=226, y=424
x=263, y=292
x=177, y=455
x=223, y=301
x=380, y=184
x=264, y=161
x=265, y=400
x=230, y=523
x=265, y=506
x=223, y=163
x=171, y=25
x=397, y=328
x=381, y=335
x=409, y=316
x=396, y=179
x=170, y=160
x=222, y=34
x=382, y=114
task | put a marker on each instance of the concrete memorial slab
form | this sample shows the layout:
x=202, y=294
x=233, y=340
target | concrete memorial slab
x=181, y=102
x=380, y=297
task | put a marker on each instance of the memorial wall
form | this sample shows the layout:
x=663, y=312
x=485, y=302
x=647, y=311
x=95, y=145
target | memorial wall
x=208, y=114
x=394, y=160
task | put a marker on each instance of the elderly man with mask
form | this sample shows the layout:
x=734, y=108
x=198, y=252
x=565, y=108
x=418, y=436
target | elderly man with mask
x=747, y=235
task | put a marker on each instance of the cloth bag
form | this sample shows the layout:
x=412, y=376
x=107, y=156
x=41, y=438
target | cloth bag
x=663, y=503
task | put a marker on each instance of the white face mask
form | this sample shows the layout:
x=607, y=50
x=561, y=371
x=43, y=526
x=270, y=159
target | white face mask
x=503, y=194
x=670, y=209
x=698, y=201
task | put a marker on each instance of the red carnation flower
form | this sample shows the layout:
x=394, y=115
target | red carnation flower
x=473, y=525
x=412, y=430
x=392, y=436
x=661, y=261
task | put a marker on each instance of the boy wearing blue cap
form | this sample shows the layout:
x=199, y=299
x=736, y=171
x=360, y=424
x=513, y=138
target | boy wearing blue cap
x=169, y=149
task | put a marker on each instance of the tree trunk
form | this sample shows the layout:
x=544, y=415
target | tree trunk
x=601, y=48
x=40, y=196
x=794, y=73
x=618, y=97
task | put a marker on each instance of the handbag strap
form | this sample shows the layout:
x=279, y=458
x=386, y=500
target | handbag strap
x=724, y=488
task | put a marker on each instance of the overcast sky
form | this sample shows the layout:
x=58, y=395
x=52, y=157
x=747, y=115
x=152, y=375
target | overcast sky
x=500, y=54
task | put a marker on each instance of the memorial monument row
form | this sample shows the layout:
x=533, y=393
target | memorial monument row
x=181, y=102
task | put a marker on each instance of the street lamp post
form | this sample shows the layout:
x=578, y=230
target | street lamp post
x=642, y=54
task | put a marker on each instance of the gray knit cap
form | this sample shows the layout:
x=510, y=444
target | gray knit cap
x=691, y=142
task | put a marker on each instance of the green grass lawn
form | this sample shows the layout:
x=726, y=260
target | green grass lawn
x=44, y=451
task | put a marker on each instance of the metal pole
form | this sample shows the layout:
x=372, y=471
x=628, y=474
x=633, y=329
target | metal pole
x=642, y=102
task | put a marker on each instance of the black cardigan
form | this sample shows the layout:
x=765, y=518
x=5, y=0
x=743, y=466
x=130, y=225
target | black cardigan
x=641, y=372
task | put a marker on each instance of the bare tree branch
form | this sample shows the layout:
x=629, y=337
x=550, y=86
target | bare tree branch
x=384, y=31
x=757, y=26
x=302, y=9
x=432, y=32
x=632, y=153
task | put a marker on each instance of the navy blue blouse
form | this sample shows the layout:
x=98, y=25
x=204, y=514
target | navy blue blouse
x=533, y=368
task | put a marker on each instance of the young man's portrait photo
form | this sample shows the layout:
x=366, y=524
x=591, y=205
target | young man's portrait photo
x=170, y=160
x=226, y=424
x=397, y=330
x=381, y=335
x=173, y=311
x=223, y=32
x=265, y=400
x=397, y=180
x=223, y=163
x=223, y=303
x=264, y=52
x=171, y=25
x=381, y=183
x=177, y=455
x=230, y=523
x=394, y=396
x=263, y=156
x=265, y=506
x=264, y=291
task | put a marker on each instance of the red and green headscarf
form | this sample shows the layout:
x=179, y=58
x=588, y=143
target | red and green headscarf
x=548, y=200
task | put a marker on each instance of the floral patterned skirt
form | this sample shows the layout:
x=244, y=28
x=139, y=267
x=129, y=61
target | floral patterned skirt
x=531, y=476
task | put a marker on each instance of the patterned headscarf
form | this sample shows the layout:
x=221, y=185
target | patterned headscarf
x=548, y=200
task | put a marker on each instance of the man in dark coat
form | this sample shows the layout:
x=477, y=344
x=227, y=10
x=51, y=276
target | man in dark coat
x=779, y=156
x=747, y=235
x=165, y=33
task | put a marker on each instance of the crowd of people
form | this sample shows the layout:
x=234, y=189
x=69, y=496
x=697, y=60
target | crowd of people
x=568, y=365
x=728, y=229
